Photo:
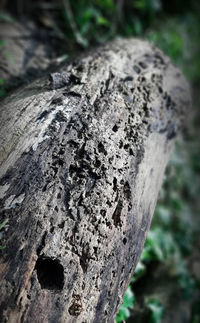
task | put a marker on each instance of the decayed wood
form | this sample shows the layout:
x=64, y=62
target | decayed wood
x=82, y=159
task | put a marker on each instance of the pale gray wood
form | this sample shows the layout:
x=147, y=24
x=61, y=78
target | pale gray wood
x=83, y=153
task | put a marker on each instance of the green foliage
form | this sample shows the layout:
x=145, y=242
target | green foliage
x=2, y=43
x=5, y=17
x=196, y=309
x=185, y=280
x=88, y=22
x=159, y=246
x=2, y=225
x=140, y=271
x=179, y=39
x=2, y=91
x=156, y=310
x=169, y=40
x=128, y=303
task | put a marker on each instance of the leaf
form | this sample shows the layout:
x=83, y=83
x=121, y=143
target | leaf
x=2, y=93
x=6, y=17
x=140, y=4
x=129, y=298
x=2, y=43
x=164, y=214
x=3, y=224
x=123, y=314
x=128, y=303
x=156, y=310
x=102, y=21
x=107, y=4
x=140, y=271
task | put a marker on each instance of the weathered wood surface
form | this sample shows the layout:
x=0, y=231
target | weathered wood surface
x=82, y=159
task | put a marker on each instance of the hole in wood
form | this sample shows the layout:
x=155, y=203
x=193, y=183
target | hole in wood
x=124, y=241
x=117, y=214
x=115, y=128
x=50, y=273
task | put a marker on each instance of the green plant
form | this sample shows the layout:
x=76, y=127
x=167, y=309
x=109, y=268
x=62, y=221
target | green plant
x=156, y=309
x=128, y=303
x=140, y=271
x=2, y=225
x=159, y=246
x=2, y=91
x=5, y=17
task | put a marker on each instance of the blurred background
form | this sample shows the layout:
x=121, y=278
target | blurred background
x=166, y=284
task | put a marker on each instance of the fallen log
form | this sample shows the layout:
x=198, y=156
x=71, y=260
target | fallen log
x=83, y=152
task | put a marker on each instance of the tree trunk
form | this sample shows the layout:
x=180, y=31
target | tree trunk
x=82, y=159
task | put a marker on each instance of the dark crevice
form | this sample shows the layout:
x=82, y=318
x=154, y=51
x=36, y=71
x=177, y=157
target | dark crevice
x=124, y=241
x=84, y=262
x=101, y=149
x=127, y=191
x=103, y=213
x=43, y=115
x=57, y=101
x=115, y=128
x=136, y=69
x=61, y=225
x=115, y=184
x=50, y=273
x=72, y=93
x=117, y=214
x=142, y=65
x=128, y=79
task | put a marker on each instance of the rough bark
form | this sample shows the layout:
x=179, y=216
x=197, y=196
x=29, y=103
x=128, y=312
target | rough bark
x=82, y=159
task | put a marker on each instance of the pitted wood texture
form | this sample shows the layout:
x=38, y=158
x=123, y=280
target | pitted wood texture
x=83, y=155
